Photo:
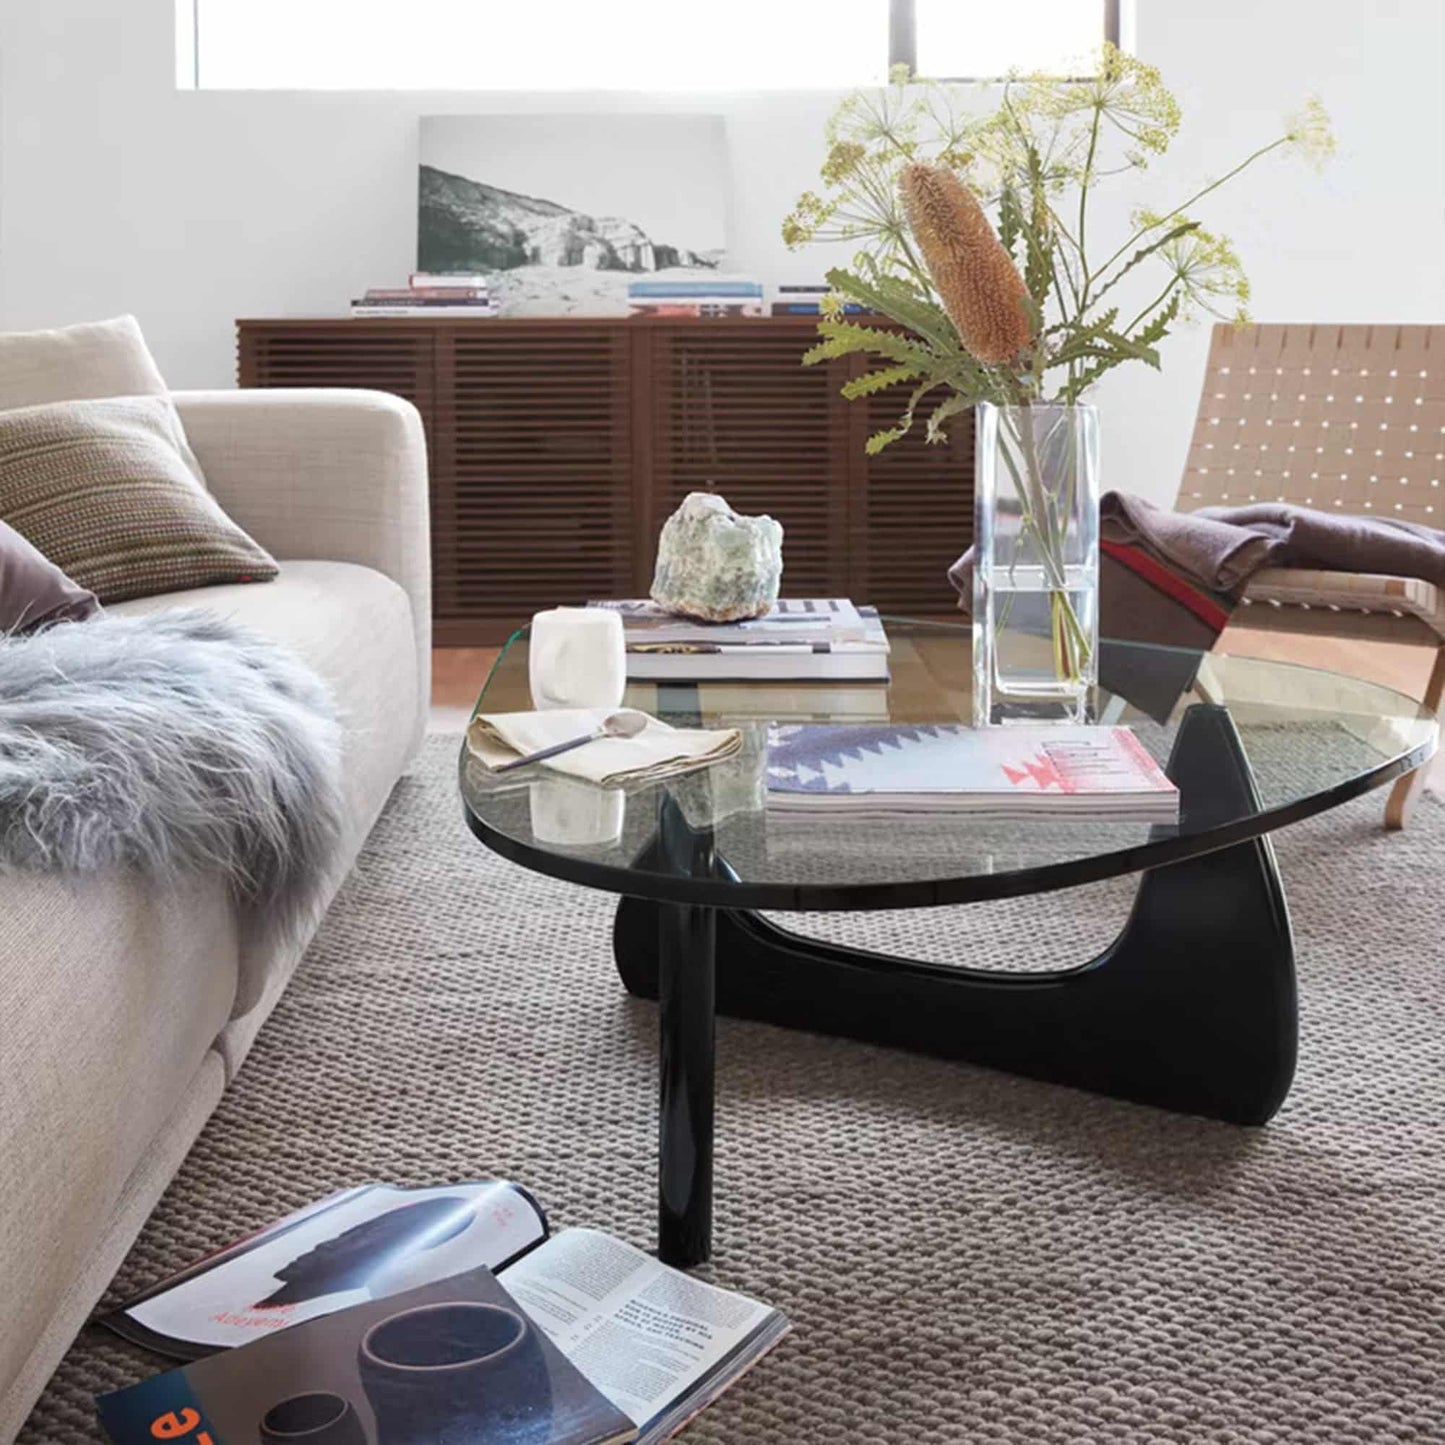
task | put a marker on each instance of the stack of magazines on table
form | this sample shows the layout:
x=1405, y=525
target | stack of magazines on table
x=809, y=640
x=386, y=1316
x=461, y=293
x=1103, y=774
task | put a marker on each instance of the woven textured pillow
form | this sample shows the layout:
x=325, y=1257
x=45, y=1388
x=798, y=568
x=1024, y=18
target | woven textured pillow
x=103, y=489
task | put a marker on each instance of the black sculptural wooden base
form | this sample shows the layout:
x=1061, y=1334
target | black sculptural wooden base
x=1192, y=1008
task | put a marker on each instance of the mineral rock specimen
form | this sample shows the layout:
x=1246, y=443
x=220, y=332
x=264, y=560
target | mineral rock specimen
x=715, y=565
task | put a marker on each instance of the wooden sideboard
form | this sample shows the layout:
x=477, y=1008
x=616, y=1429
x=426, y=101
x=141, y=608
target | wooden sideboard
x=559, y=446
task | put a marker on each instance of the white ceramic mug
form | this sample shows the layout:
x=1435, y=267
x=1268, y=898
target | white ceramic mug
x=577, y=658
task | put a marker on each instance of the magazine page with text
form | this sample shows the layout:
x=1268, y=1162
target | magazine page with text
x=657, y=1343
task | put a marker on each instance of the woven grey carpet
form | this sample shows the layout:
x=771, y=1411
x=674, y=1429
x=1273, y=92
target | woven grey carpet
x=965, y=1256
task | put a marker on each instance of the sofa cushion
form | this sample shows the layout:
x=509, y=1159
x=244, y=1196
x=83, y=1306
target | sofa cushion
x=34, y=591
x=72, y=363
x=103, y=489
x=111, y=994
x=354, y=626
x=82, y=363
x=91, y=1270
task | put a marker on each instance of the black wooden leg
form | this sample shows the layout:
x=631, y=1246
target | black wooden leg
x=686, y=939
x=685, y=943
x=1192, y=1008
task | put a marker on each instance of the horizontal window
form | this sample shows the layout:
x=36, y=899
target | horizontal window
x=644, y=45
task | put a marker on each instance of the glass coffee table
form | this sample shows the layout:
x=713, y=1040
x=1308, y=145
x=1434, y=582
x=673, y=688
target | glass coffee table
x=1192, y=1008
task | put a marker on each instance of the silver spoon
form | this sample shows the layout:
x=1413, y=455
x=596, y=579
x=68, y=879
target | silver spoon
x=616, y=725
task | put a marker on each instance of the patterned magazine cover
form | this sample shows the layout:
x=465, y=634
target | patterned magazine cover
x=898, y=767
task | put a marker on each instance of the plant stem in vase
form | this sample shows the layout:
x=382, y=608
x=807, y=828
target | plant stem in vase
x=1035, y=612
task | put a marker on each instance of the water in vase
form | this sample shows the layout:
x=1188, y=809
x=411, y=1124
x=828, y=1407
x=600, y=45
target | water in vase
x=1035, y=650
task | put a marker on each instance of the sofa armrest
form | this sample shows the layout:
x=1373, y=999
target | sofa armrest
x=336, y=475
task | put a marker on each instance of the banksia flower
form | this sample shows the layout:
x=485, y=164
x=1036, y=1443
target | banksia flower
x=980, y=287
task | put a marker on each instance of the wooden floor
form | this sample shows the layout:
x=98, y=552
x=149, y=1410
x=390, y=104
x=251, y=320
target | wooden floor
x=458, y=672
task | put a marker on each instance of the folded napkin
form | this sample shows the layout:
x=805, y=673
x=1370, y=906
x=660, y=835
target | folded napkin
x=658, y=751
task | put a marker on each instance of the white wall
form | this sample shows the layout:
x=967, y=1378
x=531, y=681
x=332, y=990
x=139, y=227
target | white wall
x=119, y=193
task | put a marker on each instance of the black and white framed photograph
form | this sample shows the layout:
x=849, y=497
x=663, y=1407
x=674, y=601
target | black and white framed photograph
x=562, y=212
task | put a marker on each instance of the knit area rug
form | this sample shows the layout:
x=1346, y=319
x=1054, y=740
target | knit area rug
x=965, y=1256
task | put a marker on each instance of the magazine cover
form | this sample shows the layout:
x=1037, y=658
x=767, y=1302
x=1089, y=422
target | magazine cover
x=451, y=1363
x=361, y=1244
x=1092, y=771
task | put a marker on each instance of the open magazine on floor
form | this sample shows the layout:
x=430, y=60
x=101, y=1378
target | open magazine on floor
x=452, y=1362
x=356, y=1245
x=656, y=1344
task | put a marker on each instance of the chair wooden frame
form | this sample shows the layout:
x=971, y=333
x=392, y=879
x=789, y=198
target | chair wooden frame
x=1331, y=417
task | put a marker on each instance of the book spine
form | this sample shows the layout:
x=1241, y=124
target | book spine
x=427, y=293
x=812, y=308
x=424, y=303
x=669, y=290
x=696, y=309
x=448, y=278
x=476, y=312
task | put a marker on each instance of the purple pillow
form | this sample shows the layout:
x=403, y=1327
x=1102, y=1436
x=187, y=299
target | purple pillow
x=34, y=591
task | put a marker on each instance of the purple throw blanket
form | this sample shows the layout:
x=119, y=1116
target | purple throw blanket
x=1221, y=548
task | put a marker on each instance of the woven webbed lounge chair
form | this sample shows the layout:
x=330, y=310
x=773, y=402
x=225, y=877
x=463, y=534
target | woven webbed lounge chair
x=1346, y=417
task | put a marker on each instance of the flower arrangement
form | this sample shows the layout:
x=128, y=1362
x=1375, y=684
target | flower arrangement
x=1019, y=311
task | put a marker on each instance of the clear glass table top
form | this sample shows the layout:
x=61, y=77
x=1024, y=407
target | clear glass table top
x=1311, y=740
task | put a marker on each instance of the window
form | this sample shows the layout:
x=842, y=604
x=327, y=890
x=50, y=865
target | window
x=652, y=45
x=953, y=41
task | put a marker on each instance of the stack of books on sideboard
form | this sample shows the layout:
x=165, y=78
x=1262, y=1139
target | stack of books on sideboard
x=462, y=293
x=792, y=299
x=694, y=295
x=796, y=640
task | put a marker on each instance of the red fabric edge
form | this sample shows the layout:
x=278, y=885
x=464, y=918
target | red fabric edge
x=1201, y=604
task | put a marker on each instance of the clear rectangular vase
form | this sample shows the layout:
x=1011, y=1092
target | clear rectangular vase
x=1036, y=569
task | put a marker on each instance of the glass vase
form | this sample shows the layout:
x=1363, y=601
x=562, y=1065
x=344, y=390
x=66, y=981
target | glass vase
x=1036, y=571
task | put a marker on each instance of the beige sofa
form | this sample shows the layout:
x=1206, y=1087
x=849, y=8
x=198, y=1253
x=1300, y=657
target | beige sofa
x=125, y=1009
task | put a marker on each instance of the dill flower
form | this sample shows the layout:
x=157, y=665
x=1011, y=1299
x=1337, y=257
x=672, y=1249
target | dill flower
x=843, y=160
x=1308, y=131
x=807, y=219
x=976, y=280
x=1209, y=274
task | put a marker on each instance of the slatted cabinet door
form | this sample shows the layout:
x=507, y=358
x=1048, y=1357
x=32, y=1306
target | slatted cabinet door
x=916, y=515
x=397, y=358
x=531, y=502
x=558, y=446
x=734, y=412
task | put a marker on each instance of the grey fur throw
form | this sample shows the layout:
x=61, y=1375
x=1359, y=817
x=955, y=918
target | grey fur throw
x=170, y=743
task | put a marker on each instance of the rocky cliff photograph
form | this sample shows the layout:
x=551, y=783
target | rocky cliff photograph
x=562, y=212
